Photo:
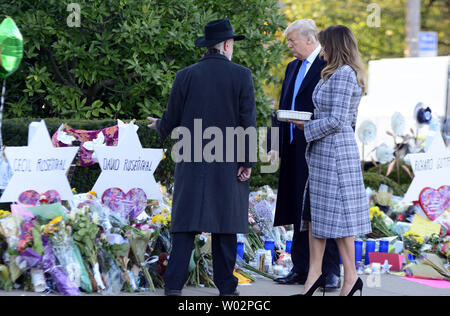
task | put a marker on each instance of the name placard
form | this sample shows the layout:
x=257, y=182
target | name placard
x=431, y=169
x=128, y=166
x=38, y=166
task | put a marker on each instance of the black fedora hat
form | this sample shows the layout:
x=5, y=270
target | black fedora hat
x=217, y=31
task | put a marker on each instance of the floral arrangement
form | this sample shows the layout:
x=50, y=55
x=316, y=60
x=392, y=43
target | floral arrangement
x=413, y=242
x=378, y=220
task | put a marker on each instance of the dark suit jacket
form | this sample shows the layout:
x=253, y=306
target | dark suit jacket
x=207, y=195
x=294, y=172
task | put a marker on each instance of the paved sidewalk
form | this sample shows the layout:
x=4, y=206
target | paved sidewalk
x=386, y=285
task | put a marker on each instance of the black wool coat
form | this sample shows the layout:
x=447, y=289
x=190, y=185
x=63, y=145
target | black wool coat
x=294, y=172
x=208, y=197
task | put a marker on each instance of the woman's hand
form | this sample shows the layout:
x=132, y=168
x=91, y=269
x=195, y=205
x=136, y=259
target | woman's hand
x=299, y=124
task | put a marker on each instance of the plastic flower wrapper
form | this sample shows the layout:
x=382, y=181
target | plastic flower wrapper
x=31, y=237
x=263, y=215
x=201, y=262
x=85, y=230
x=252, y=270
x=63, y=246
x=111, y=273
x=47, y=262
x=5, y=281
x=139, y=240
x=118, y=248
x=430, y=266
x=10, y=229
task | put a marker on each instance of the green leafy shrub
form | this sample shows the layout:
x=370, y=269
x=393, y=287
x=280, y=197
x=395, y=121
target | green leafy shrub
x=373, y=181
x=122, y=60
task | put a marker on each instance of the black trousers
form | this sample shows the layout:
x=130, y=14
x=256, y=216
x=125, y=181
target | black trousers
x=224, y=259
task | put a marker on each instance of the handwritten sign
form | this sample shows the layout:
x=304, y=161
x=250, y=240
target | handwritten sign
x=431, y=169
x=128, y=166
x=424, y=227
x=39, y=166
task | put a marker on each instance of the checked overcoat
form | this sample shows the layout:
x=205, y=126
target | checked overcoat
x=339, y=205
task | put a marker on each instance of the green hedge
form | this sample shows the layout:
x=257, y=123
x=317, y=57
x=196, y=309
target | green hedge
x=15, y=133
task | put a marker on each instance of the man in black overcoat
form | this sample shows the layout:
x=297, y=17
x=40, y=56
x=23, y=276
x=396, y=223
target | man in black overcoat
x=301, y=77
x=208, y=102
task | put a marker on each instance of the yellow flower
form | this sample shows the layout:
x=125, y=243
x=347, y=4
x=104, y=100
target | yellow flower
x=4, y=214
x=375, y=211
x=157, y=219
x=56, y=220
x=165, y=211
x=52, y=226
x=414, y=236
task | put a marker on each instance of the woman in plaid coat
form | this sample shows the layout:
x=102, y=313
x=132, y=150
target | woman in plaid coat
x=338, y=202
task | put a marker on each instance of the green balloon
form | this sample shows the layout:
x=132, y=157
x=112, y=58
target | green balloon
x=11, y=47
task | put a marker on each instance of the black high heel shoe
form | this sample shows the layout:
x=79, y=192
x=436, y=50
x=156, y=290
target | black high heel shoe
x=319, y=283
x=358, y=286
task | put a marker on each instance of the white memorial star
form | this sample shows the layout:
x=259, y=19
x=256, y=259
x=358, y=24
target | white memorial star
x=431, y=169
x=128, y=165
x=39, y=166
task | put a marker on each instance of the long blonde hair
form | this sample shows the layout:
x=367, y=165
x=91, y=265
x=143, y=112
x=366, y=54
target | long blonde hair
x=341, y=48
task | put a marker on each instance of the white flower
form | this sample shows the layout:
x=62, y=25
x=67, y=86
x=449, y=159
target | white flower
x=398, y=124
x=367, y=132
x=384, y=154
x=95, y=218
x=115, y=239
x=98, y=141
x=63, y=137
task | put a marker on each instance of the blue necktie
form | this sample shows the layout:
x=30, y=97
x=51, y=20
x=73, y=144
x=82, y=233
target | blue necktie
x=298, y=84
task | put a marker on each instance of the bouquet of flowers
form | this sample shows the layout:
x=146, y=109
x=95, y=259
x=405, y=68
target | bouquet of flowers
x=143, y=235
x=85, y=230
x=379, y=227
x=64, y=248
x=118, y=248
x=139, y=236
x=413, y=242
x=47, y=263
x=201, y=261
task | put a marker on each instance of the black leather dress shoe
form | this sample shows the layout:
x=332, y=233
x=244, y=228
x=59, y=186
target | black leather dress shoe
x=332, y=282
x=170, y=292
x=291, y=278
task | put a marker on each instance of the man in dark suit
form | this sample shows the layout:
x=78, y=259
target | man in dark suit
x=210, y=190
x=301, y=77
